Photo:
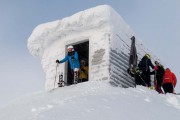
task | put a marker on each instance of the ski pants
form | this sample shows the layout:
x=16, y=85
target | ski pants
x=75, y=73
x=168, y=88
x=139, y=80
x=146, y=77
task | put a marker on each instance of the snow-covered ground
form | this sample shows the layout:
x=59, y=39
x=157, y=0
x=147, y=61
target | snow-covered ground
x=94, y=100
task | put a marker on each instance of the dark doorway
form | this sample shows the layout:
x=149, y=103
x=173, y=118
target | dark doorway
x=83, y=54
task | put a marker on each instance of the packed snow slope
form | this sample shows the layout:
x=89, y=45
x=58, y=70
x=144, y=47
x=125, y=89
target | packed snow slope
x=94, y=100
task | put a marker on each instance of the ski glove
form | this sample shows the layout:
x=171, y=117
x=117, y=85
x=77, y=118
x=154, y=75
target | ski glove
x=57, y=61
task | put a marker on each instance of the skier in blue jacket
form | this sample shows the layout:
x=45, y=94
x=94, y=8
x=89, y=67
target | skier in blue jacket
x=73, y=59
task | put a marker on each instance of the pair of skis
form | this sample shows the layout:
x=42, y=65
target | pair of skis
x=61, y=82
x=133, y=57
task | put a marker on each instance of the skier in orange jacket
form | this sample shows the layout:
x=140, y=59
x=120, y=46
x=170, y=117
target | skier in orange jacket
x=169, y=81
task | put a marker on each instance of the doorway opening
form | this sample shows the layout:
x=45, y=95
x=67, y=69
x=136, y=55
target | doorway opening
x=83, y=54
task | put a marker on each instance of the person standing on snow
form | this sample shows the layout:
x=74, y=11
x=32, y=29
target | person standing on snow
x=73, y=59
x=169, y=81
x=158, y=76
x=144, y=65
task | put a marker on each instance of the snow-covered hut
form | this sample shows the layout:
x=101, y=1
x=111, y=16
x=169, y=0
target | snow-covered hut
x=99, y=35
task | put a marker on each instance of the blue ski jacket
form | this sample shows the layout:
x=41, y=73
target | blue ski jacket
x=73, y=63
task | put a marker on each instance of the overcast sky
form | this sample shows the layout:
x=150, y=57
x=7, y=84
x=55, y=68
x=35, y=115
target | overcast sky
x=156, y=22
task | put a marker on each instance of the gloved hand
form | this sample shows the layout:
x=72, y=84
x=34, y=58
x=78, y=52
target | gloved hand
x=57, y=61
x=72, y=57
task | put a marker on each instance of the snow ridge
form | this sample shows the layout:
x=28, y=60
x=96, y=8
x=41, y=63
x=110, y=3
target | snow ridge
x=94, y=100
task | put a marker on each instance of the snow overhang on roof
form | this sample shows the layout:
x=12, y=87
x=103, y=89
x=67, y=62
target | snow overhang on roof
x=45, y=34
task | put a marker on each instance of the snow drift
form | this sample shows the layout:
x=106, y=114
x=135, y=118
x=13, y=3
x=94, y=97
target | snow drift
x=94, y=100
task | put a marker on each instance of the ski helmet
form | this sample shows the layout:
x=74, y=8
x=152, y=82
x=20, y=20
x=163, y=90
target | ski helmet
x=70, y=48
x=148, y=56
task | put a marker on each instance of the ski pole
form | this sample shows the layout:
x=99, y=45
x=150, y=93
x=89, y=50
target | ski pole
x=55, y=75
x=143, y=80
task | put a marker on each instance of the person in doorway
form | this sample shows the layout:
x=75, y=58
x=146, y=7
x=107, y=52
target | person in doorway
x=158, y=76
x=73, y=60
x=169, y=81
x=144, y=65
x=83, y=71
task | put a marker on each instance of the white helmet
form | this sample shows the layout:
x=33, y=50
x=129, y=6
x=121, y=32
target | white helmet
x=70, y=47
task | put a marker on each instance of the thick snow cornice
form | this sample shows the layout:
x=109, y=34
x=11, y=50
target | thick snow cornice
x=45, y=34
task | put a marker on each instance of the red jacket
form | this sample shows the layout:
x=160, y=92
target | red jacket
x=169, y=77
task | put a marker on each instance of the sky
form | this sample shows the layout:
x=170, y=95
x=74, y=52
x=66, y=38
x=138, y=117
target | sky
x=156, y=23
